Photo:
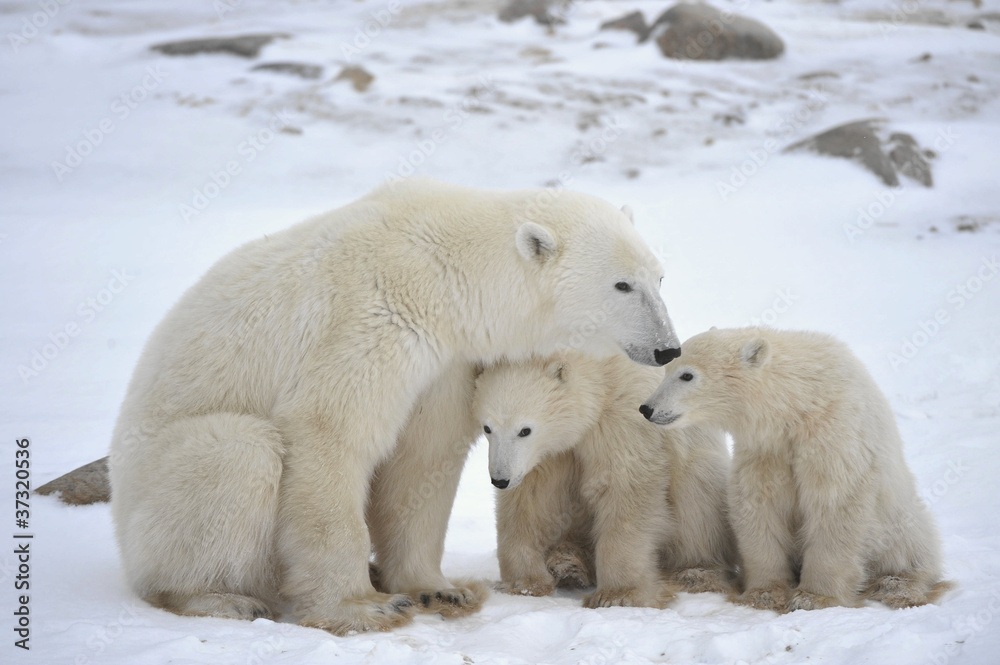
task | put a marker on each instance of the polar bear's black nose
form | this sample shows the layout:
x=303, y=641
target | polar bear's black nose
x=500, y=482
x=646, y=411
x=663, y=356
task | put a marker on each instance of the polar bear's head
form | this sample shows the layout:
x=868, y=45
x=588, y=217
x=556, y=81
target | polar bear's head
x=606, y=280
x=705, y=386
x=530, y=410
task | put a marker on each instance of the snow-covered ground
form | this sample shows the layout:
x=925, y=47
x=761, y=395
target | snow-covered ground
x=95, y=248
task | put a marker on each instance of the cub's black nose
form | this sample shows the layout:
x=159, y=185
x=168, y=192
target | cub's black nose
x=500, y=482
x=663, y=356
x=646, y=411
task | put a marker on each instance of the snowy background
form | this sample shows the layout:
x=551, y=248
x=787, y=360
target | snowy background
x=104, y=245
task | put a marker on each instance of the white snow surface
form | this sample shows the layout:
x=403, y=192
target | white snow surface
x=516, y=105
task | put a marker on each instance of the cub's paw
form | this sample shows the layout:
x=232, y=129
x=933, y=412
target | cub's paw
x=568, y=565
x=806, y=600
x=459, y=601
x=701, y=580
x=656, y=595
x=527, y=587
x=900, y=592
x=774, y=598
x=378, y=611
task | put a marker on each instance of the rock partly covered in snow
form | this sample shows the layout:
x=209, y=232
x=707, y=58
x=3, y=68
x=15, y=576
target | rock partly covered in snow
x=701, y=32
x=359, y=77
x=539, y=10
x=300, y=69
x=84, y=485
x=868, y=143
x=245, y=46
x=632, y=22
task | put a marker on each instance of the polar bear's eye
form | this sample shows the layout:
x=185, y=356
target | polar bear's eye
x=687, y=376
x=525, y=432
x=624, y=287
x=486, y=428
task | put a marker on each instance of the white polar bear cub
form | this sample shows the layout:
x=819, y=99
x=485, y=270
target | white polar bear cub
x=325, y=371
x=590, y=489
x=820, y=495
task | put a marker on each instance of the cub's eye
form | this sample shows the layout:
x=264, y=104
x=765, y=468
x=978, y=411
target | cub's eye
x=687, y=376
x=487, y=429
x=624, y=287
x=525, y=432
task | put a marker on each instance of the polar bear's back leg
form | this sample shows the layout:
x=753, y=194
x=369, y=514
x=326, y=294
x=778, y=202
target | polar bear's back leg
x=198, y=518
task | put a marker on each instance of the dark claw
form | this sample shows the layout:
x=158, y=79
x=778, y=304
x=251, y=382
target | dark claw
x=425, y=599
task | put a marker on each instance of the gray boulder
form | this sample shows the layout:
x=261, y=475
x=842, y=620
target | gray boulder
x=82, y=486
x=633, y=22
x=245, y=46
x=515, y=10
x=300, y=69
x=868, y=143
x=701, y=32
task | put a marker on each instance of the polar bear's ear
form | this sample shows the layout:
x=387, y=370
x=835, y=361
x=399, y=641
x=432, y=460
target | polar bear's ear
x=756, y=352
x=627, y=209
x=535, y=242
x=558, y=370
x=713, y=328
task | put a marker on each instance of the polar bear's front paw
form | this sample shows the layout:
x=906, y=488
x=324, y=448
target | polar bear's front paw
x=459, y=601
x=806, y=600
x=702, y=580
x=379, y=611
x=568, y=565
x=528, y=587
x=656, y=595
x=774, y=597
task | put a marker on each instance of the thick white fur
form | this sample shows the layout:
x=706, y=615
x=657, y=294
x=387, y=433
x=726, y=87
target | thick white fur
x=821, y=496
x=319, y=373
x=595, y=488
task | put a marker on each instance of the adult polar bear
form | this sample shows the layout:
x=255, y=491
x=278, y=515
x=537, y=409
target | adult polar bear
x=264, y=402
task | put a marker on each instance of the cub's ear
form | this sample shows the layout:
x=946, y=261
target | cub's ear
x=535, y=242
x=627, y=209
x=713, y=328
x=756, y=352
x=558, y=370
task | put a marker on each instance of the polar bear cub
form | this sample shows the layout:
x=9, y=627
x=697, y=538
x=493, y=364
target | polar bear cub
x=588, y=486
x=820, y=494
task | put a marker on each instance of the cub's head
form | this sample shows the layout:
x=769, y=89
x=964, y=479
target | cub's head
x=706, y=384
x=604, y=281
x=528, y=411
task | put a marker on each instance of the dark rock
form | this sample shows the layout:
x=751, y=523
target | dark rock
x=515, y=10
x=908, y=159
x=85, y=485
x=975, y=24
x=299, y=69
x=702, y=32
x=862, y=141
x=634, y=22
x=359, y=77
x=245, y=46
